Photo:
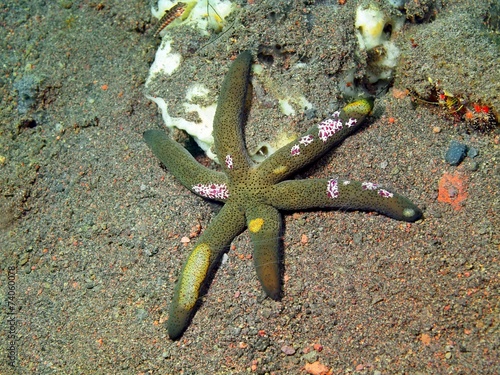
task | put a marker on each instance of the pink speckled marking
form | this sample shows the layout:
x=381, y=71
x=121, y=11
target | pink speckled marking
x=214, y=191
x=332, y=190
x=369, y=186
x=229, y=162
x=384, y=193
x=295, y=150
x=328, y=128
x=336, y=114
x=351, y=122
x=306, y=140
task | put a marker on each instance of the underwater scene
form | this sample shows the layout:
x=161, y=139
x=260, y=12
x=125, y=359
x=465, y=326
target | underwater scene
x=250, y=187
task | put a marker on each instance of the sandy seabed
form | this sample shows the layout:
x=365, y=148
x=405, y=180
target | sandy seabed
x=93, y=230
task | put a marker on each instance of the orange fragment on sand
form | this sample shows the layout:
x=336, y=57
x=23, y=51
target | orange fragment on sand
x=425, y=338
x=452, y=189
x=399, y=94
x=303, y=239
x=317, y=368
x=318, y=347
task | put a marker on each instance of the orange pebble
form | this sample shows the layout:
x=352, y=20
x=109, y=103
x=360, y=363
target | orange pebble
x=452, y=189
x=317, y=368
x=318, y=347
x=303, y=239
x=425, y=338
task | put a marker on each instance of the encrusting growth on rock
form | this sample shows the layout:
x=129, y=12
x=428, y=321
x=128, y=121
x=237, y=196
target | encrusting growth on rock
x=254, y=194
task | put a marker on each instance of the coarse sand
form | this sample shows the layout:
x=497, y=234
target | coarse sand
x=93, y=230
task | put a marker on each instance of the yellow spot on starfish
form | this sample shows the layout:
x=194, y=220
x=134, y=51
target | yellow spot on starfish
x=193, y=275
x=255, y=225
x=361, y=106
x=280, y=170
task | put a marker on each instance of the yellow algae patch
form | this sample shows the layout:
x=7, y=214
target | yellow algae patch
x=255, y=225
x=280, y=170
x=194, y=273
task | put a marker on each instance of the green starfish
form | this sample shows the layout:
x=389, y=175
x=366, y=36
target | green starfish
x=253, y=194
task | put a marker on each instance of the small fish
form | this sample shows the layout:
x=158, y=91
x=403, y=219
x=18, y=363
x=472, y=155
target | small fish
x=170, y=15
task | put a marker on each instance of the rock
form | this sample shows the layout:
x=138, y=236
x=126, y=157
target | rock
x=472, y=152
x=456, y=153
x=27, y=88
x=288, y=350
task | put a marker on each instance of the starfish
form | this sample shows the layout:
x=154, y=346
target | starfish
x=254, y=194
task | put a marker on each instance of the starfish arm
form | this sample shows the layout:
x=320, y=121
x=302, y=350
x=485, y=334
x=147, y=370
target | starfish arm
x=230, y=116
x=314, y=143
x=334, y=193
x=227, y=224
x=264, y=225
x=194, y=176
